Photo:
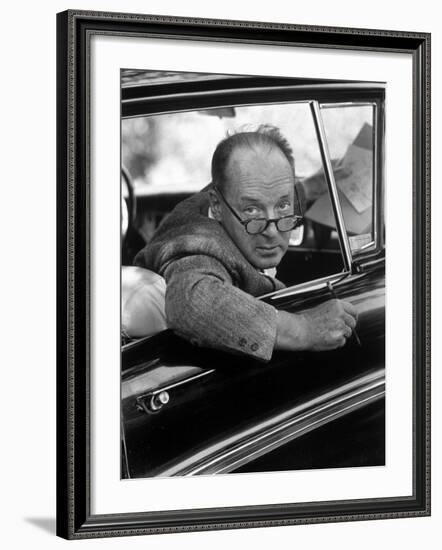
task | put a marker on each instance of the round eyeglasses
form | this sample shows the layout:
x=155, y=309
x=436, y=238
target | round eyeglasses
x=259, y=225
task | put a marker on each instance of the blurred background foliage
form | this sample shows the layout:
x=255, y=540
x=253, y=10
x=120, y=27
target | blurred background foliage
x=173, y=152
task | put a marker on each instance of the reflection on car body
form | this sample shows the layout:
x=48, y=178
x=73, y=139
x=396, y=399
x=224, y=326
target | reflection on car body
x=188, y=410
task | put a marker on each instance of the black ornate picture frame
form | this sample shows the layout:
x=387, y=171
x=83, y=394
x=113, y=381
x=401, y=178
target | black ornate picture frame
x=74, y=32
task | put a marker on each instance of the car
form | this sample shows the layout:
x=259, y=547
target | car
x=188, y=410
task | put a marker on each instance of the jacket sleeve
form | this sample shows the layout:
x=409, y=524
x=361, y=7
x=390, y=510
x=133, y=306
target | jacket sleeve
x=204, y=306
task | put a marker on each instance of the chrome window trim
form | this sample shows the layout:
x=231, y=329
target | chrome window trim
x=220, y=106
x=331, y=104
x=363, y=248
x=210, y=93
x=168, y=386
x=331, y=183
x=307, y=286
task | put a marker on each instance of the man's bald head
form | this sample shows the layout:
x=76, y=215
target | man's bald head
x=262, y=141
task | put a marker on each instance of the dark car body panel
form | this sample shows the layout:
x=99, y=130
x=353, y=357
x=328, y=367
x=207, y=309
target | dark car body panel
x=213, y=394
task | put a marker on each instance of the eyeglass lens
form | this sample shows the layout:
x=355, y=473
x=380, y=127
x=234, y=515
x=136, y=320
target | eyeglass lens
x=283, y=224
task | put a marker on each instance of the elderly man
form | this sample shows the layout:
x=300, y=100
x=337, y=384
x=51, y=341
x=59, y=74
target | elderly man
x=218, y=251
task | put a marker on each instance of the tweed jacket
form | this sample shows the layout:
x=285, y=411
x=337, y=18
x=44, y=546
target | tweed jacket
x=211, y=287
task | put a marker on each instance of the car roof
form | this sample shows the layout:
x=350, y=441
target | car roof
x=155, y=92
x=131, y=78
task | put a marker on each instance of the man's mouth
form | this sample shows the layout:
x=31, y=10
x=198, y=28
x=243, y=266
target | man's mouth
x=268, y=249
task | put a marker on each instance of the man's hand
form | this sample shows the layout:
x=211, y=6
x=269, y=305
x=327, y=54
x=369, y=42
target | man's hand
x=324, y=327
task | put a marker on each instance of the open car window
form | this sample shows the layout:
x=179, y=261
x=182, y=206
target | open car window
x=169, y=157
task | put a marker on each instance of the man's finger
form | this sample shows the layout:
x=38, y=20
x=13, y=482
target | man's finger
x=349, y=320
x=341, y=342
x=350, y=309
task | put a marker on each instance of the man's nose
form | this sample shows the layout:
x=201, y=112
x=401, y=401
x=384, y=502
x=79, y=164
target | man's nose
x=271, y=230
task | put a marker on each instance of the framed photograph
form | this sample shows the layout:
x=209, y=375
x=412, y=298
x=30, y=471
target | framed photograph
x=243, y=274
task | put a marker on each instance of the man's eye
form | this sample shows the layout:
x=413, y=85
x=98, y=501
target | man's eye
x=284, y=207
x=251, y=211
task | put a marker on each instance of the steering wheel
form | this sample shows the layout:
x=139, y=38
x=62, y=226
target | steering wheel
x=129, y=199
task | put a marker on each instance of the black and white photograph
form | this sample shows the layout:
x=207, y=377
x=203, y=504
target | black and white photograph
x=252, y=274
x=221, y=275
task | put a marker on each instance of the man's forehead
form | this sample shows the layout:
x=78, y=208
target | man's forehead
x=244, y=154
x=259, y=159
x=265, y=166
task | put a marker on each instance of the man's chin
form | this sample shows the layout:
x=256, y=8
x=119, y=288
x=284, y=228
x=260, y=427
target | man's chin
x=268, y=261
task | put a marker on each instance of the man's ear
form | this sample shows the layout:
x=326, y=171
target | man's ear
x=215, y=204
